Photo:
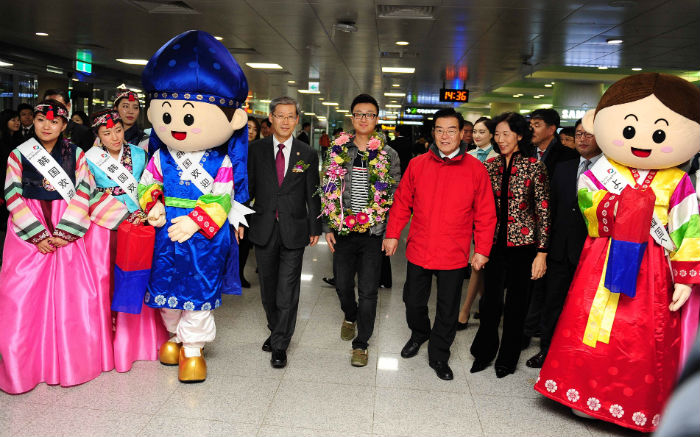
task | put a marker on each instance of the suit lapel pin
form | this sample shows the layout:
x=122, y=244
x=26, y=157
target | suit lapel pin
x=298, y=153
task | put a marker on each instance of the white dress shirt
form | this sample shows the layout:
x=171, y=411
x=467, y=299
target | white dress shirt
x=287, y=151
x=451, y=155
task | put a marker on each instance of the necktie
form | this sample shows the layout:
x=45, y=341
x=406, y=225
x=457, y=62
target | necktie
x=279, y=164
x=582, y=167
x=539, y=154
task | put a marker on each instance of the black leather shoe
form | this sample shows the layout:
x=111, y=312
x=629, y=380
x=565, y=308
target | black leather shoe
x=525, y=342
x=329, y=281
x=536, y=361
x=478, y=366
x=267, y=346
x=279, y=359
x=442, y=370
x=244, y=283
x=462, y=326
x=503, y=371
x=410, y=349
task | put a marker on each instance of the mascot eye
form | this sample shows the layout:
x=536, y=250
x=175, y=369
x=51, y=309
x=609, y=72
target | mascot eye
x=628, y=132
x=167, y=118
x=189, y=119
x=658, y=136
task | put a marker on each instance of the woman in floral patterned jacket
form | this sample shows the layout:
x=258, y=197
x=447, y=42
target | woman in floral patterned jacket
x=521, y=192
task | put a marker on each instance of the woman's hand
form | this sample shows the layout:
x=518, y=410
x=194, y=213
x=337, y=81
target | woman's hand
x=58, y=242
x=681, y=293
x=539, y=266
x=44, y=246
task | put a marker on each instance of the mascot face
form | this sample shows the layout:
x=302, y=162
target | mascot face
x=192, y=126
x=635, y=125
x=646, y=134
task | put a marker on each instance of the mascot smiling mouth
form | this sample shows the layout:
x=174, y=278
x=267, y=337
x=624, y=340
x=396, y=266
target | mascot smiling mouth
x=640, y=153
x=178, y=135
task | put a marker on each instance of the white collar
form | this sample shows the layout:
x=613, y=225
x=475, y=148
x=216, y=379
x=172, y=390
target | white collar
x=593, y=160
x=451, y=155
x=287, y=143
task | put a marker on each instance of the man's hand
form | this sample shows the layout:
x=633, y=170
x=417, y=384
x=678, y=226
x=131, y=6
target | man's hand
x=240, y=233
x=389, y=246
x=539, y=266
x=479, y=261
x=183, y=228
x=58, y=242
x=681, y=293
x=313, y=240
x=156, y=216
x=330, y=239
x=44, y=246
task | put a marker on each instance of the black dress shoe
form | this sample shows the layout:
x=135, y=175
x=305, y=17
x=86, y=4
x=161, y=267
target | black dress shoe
x=525, y=342
x=478, y=366
x=503, y=371
x=279, y=359
x=329, y=281
x=442, y=370
x=536, y=361
x=410, y=349
x=462, y=326
x=267, y=346
x=244, y=283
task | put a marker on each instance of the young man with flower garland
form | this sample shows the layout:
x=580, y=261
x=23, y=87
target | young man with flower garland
x=445, y=193
x=360, y=176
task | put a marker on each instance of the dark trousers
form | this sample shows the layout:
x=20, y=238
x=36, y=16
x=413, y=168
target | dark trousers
x=279, y=270
x=385, y=278
x=533, y=320
x=243, y=250
x=508, y=268
x=560, y=273
x=416, y=293
x=361, y=255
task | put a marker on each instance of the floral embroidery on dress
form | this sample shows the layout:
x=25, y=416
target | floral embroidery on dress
x=593, y=404
x=656, y=419
x=572, y=395
x=616, y=410
x=189, y=306
x=551, y=386
x=160, y=300
x=206, y=306
x=172, y=301
x=639, y=418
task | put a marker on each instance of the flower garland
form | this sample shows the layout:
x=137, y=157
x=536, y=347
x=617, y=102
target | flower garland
x=344, y=220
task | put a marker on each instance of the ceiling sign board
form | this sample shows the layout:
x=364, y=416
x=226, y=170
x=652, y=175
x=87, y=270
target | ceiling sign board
x=451, y=95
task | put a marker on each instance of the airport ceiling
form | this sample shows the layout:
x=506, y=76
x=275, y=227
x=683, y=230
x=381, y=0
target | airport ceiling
x=482, y=45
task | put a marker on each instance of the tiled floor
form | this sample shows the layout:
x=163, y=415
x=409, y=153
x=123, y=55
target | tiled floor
x=317, y=394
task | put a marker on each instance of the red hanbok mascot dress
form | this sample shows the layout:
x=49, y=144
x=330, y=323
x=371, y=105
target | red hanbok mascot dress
x=615, y=352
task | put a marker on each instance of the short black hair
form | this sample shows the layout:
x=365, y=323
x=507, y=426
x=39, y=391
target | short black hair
x=23, y=106
x=579, y=121
x=364, y=98
x=83, y=116
x=305, y=124
x=57, y=92
x=549, y=116
x=449, y=113
x=568, y=131
x=520, y=126
x=266, y=122
x=467, y=122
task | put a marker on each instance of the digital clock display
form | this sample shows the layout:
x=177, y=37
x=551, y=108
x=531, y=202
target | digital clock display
x=450, y=95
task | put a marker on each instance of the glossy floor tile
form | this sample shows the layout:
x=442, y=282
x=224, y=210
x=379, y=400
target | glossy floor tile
x=317, y=394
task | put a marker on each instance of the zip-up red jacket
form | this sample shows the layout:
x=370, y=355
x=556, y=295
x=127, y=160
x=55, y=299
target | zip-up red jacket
x=449, y=198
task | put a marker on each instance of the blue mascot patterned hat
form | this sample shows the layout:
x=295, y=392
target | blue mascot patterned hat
x=195, y=66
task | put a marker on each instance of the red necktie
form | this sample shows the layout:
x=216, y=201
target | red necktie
x=279, y=163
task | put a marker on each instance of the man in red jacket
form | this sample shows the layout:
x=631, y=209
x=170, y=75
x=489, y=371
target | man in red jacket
x=449, y=193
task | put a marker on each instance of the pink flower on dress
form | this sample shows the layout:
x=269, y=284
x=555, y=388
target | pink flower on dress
x=593, y=404
x=551, y=386
x=374, y=144
x=616, y=410
x=572, y=395
x=350, y=221
x=639, y=418
x=362, y=218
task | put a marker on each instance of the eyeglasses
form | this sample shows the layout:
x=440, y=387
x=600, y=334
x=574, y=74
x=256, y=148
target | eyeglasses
x=285, y=118
x=451, y=132
x=361, y=116
x=583, y=134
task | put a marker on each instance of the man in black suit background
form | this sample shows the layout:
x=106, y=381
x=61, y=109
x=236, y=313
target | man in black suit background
x=283, y=176
x=304, y=134
x=568, y=235
x=550, y=151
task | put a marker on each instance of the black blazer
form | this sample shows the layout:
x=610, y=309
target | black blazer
x=557, y=153
x=568, y=227
x=296, y=200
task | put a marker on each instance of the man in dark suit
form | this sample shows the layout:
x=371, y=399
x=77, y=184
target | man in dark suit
x=283, y=176
x=26, y=118
x=304, y=134
x=79, y=135
x=568, y=235
x=550, y=151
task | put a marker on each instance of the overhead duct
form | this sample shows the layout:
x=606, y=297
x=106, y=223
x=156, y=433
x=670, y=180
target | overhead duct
x=406, y=12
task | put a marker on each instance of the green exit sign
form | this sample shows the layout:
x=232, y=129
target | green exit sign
x=83, y=61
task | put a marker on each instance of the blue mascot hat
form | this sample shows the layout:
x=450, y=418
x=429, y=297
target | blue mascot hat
x=195, y=66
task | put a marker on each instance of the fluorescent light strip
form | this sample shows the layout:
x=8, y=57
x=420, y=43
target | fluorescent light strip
x=308, y=92
x=218, y=38
x=395, y=94
x=6, y=64
x=133, y=61
x=310, y=113
x=407, y=70
x=342, y=110
x=330, y=103
x=264, y=66
x=392, y=106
